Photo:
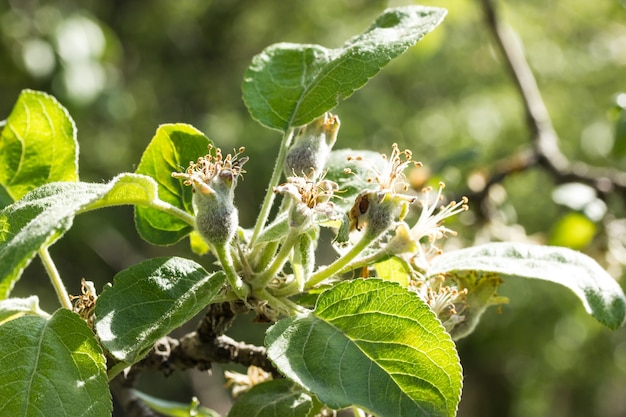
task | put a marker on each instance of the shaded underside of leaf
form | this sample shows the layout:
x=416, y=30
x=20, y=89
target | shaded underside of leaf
x=170, y=150
x=372, y=344
x=289, y=85
x=150, y=299
x=600, y=294
x=271, y=399
x=52, y=368
x=37, y=146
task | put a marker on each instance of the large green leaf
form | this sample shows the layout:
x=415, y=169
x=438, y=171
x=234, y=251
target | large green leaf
x=289, y=85
x=373, y=344
x=37, y=146
x=52, y=368
x=170, y=150
x=42, y=216
x=272, y=399
x=599, y=292
x=149, y=300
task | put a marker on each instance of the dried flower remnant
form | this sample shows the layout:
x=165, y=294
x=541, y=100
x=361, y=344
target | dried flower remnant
x=85, y=303
x=240, y=383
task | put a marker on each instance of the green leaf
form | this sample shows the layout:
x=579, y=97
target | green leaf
x=271, y=399
x=289, y=85
x=42, y=216
x=37, y=146
x=395, y=270
x=13, y=308
x=149, y=300
x=600, y=294
x=176, y=409
x=171, y=149
x=372, y=344
x=52, y=367
x=363, y=164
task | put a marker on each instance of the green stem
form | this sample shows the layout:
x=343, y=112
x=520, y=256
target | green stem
x=340, y=263
x=55, y=279
x=291, y=288
x=269, y=196
x=174, y=211
x=239, y=287
x=365, y=261
x=282, y=305
x=281, y=257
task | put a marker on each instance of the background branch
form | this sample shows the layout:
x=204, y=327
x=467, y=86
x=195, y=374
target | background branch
x=545, y=152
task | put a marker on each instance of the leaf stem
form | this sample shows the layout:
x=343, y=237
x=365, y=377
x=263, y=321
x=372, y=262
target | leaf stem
x=340, y=263
x=224, y=256
x=269, y=195
x=266, y=276
x=55, y=278
x=174, y=211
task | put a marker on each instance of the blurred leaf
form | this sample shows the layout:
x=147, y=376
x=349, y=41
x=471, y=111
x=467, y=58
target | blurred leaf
x=289, y=85
x=573, y=230
x=271, y=399
x=619, y=142
x=37, y=146
x=149, y=300
x=52, y=367
x=372, y=344
x=12, y=308
x=171, y=149
x=42, y=216
x=395, y=270
x=198, y=244
x=175, y=409
x=600, y=294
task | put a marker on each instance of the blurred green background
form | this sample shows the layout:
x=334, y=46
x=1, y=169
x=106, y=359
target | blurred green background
x=123, y=67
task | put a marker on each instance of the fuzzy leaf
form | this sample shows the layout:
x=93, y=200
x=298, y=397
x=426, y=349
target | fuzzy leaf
x=52, y=367
x=600, y=294
x=149, y=300
x=372, y=344
x=171, y=149
x=37, y=146
x=289, y=85
x=12, y=308
x=42, y=216
x=271, y=399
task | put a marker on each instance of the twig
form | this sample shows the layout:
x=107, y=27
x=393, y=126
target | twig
x=123, y=387
x=207, y=344
x=545, y=141
x=198, y=349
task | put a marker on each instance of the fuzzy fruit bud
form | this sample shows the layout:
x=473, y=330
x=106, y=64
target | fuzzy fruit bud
x=313, y=142
x=214, y=179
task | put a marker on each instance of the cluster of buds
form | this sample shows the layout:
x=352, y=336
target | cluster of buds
x=377, y=219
